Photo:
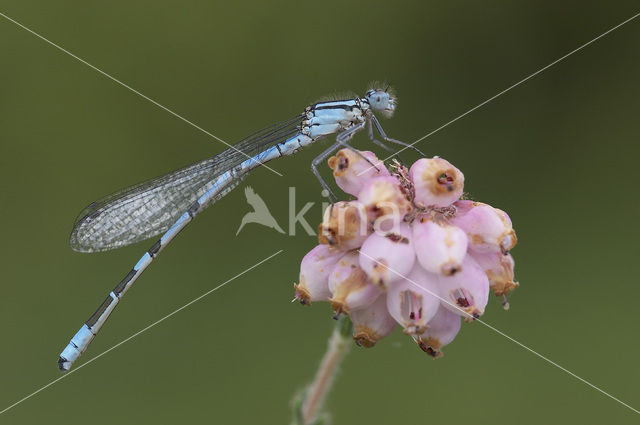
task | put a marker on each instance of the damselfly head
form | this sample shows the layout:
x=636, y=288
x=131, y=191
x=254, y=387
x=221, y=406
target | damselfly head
x=382, y=101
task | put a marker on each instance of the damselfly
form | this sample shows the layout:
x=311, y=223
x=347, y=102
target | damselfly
x=168, y=203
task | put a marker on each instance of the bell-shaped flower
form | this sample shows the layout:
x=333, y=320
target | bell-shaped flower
x=352, y=170
x=414, y=300
x=372, y=323
x=440, y=247
x=466, y=293
x=436, y=182
x=387, y=256
x=314, y=274
x=442, y=329
x=350, y=286
x=499, y=270
x=344, y=226
x=488, y=229
x=385, y=202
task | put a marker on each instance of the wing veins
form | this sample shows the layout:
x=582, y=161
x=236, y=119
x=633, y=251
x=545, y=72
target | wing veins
x=146, y=209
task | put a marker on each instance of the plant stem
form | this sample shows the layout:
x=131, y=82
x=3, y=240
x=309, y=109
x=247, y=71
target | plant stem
x=338, y=347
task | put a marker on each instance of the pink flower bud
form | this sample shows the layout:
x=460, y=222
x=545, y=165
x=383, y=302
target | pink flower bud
x=442, y=329
x=386, y=257
x=372, y=323
x=436, y=182
x=344, y=226
x=414, y=300
x=314, y=274
x=489, y=229
x=352, y=171
x=350, y=286
x=499, y=270
x=385, y=202
x=440, y=248
x=466, y=293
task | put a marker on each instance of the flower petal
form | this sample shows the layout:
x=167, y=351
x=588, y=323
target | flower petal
x=499, y=270
x=489, y=229
x=385, y=202
x=442, y=329
x=314, y=274
x=372, y=323
x=350, y=286
x=385, y=257
x=414, y=300
x=352, y=171
x=440, y=248
x=436, y=182
x=466, y=293
x=344, y=226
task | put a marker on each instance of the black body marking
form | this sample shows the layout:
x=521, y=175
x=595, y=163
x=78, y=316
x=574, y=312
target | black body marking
x=193, y=209
x=123, y=283
x=155, y=248
x=345, y=107
x=103, y=307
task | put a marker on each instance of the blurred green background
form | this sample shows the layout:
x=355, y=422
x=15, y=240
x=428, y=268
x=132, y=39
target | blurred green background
x=559, y=153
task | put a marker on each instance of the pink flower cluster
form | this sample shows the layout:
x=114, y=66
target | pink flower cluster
x=407, y=251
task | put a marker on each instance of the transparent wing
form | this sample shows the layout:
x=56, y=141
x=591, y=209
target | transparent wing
x=149, y=208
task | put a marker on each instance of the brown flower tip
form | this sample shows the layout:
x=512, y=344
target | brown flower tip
x=302, y=294
x=366, y=337
x=431, y=346
x=340, y=162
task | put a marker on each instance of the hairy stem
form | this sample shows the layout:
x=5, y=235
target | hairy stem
x=338, y=347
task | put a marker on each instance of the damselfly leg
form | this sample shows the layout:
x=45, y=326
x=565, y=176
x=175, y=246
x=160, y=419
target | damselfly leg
x=382, y=145
x=314, y=167
x=389, y=139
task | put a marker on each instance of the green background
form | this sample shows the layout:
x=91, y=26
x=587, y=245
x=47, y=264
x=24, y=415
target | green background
x=558, y=153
